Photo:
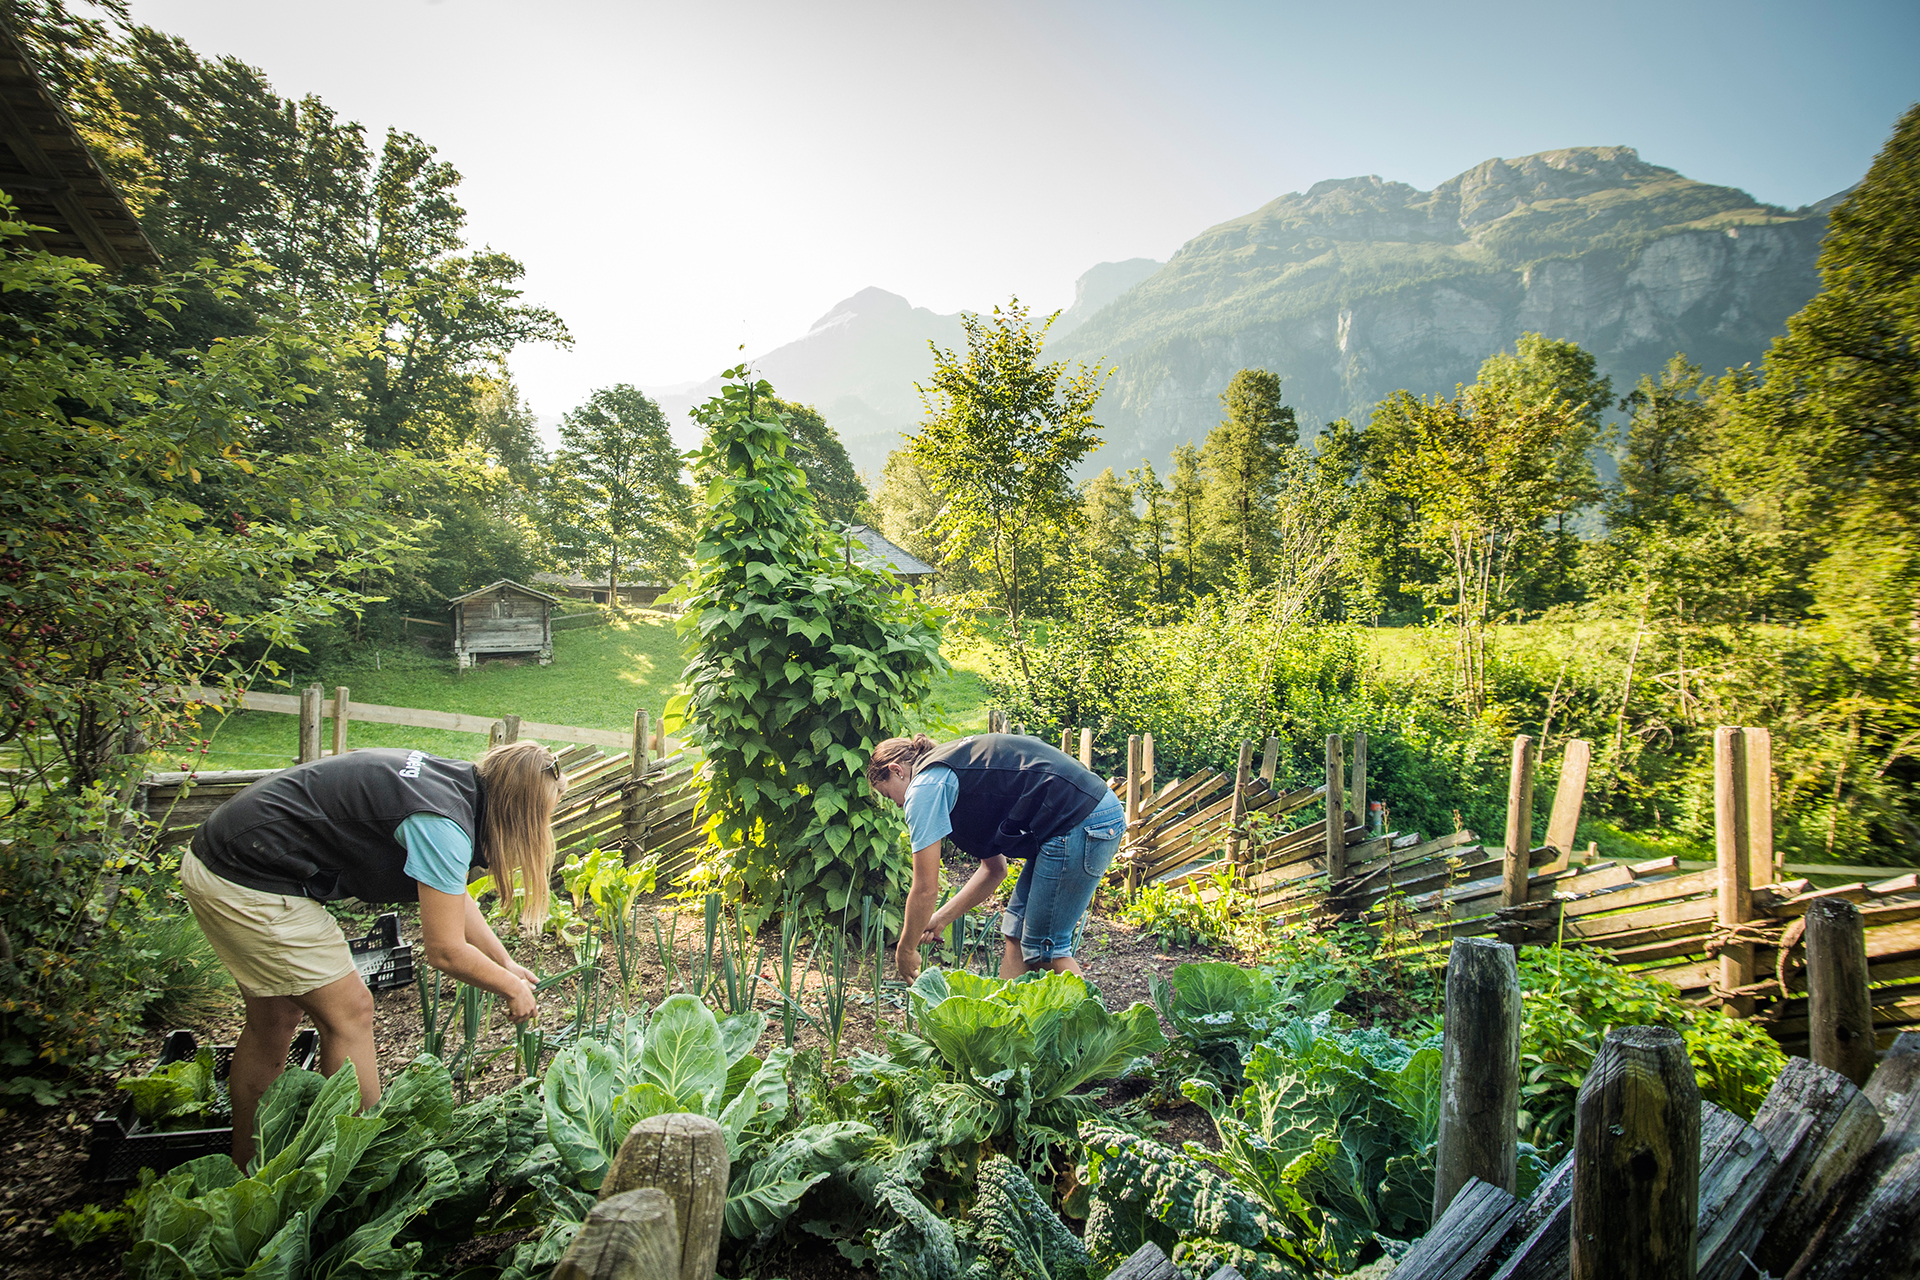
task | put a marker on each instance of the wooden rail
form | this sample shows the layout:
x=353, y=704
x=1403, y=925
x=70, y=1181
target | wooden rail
x=415, y=717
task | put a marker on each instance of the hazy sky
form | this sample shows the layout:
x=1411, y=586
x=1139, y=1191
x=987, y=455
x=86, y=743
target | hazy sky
x=683, y=178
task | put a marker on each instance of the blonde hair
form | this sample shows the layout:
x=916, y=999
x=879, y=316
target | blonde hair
x=520, y=783
x=905, y=752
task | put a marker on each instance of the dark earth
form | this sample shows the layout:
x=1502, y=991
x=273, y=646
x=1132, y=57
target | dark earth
x=45, y=1150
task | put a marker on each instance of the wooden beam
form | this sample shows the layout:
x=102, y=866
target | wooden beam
x=1760, y=854
x=1839, y=1006
x=340, y=717
x=1335, y=834
x=1479, y=1072
x=1568, y=794
x=1735, y=889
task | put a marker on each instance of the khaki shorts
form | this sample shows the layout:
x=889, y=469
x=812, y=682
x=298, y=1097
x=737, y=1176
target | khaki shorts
x=272, y=945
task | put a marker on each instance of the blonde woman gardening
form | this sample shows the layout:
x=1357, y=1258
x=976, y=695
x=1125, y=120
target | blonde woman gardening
x=1000, y=796
x=381, y=826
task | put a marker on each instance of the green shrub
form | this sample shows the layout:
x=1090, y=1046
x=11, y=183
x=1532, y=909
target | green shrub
x=1177, y=916
x=1571, y=998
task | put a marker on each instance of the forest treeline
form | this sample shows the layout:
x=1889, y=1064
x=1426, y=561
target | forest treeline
x=1751, y=559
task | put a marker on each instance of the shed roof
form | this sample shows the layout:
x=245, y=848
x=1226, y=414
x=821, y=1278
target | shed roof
x=495, y=586
x=51, y=175
x=886, y=554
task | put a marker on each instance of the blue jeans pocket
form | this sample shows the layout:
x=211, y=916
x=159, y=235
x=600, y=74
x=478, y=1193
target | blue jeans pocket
x=1100, y=845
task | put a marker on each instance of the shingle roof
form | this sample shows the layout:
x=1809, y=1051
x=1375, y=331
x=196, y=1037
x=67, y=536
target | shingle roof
x=885, y=554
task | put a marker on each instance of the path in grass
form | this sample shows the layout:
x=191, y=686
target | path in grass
x=599, y=677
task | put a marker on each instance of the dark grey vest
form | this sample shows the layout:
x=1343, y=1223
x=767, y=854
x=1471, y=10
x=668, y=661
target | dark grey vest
x=1016, y=793
x=329, y=829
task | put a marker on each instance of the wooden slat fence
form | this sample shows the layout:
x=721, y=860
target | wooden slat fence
x=1725, y=939
x=633, y=799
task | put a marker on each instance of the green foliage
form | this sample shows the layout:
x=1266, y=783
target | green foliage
x=831, y=479
x=1219, y=1012
x=1177, y=915
x=331, y=1192
x=1002, y=432
x=799, y=663
x=1572, y=998
x=180, y=1095
x=619, y=506
x=1243, y=460
x=998, y=1062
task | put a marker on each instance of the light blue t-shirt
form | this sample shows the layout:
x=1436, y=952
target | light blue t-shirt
x=930, y=800
x=935, y=789
x=438, y=852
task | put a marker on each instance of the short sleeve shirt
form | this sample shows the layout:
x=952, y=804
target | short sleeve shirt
x=930, y=800
x=438, y=852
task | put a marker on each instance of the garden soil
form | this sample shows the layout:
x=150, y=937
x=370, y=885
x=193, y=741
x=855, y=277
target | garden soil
x=43, y=1152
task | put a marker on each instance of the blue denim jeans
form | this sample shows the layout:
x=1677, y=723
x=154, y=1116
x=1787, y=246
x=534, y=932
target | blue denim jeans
x=1051, y=897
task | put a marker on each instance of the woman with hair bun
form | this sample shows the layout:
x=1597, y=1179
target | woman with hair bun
x=1000, y=796
x=382, y=826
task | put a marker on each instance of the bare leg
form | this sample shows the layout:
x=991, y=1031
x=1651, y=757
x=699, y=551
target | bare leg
x=258, y=1059
x=343, y=1010
x=1012, y=963
x=1062, y=964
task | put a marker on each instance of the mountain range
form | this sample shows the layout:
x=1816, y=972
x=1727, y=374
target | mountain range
x=1357, y=288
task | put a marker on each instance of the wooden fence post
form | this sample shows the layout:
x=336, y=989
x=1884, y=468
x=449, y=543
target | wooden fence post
x=1760, y=855
x=510, y=726
x=1569, y=793
x=1336, y=833
x=1133, y=778
x=1270, y=761
x=1730, y=854
x=1357, y=789
x=1479, y=1071
x=309, y=748
x=684, y=1156
x=642, y=740
x=1237, y=813
x=631, y=1236
x=1086, y=747
x=1066, y=742
x=496, y=734
x=1518, y=856
x=1636, y=1160
x=1146, y=762
x=340, y=720
x=1839, y=1007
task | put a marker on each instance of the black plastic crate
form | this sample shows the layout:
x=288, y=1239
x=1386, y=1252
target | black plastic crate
x=384, y=961
x=122, y=1145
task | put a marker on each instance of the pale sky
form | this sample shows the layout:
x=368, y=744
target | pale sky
x=683, y=178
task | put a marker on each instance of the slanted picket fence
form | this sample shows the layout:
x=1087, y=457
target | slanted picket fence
x=1729, y=933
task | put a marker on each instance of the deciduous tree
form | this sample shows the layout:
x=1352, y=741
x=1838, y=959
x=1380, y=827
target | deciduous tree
x=618, y=498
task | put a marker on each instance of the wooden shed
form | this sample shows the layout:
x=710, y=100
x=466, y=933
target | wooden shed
x=502, y=617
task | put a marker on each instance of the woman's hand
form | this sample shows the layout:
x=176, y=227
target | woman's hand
x=520, y=1003
x=525, y=975
x=907, y=961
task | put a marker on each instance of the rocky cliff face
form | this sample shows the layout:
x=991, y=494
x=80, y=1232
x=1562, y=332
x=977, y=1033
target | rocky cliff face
x=1361, y=287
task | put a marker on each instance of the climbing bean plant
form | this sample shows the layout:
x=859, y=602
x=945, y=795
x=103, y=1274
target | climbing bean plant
x=799, y=660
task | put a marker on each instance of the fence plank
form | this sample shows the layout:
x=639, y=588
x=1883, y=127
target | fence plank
x=1568, y=795
x=1636, y=1163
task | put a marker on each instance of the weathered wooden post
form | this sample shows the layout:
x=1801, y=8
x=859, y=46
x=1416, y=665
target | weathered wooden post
x=1270, y=761
x=1479, y=1071
x=642, y=745
x=1146, y=762
x=660, y=736
x=631, y=1236
x=1086, y=747
x=1839, y=1006
x=1897, y=1075
x=309, y=748
x=684, y=1156
x=1066, y=742
x=1636, y=1160
x=1237, y=812
x=1336, y=834
x=340, y=720
x=1730, y=854
x=1518, y=857
x=1357, y=788
x=496, y=734
x=1760, y=864
x=1133, y=778
x=1569, y=793
x=1819, y=1127
x=510, y=728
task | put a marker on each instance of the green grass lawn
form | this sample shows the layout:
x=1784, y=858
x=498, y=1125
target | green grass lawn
x=600, y=676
